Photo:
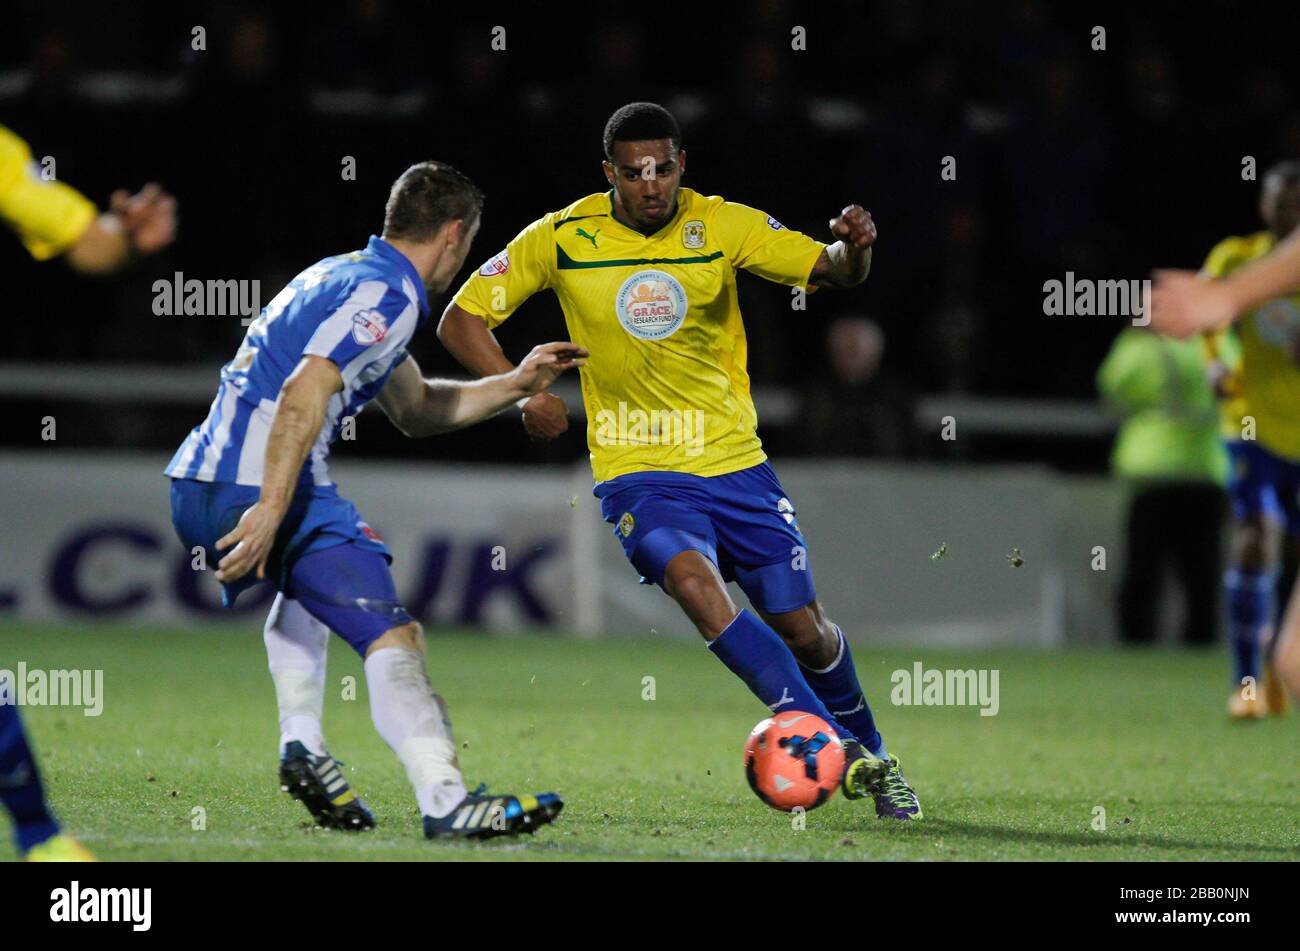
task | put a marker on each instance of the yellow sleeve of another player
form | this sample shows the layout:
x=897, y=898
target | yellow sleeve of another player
x=48, y=216
x=526, y=266
x=760, y=244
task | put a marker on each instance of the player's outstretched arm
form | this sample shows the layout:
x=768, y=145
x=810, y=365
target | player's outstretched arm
x=847, y=262
x=1185, y=303
x=134, y=225
x=468, y=339
x=420, y=407
x=299, y=416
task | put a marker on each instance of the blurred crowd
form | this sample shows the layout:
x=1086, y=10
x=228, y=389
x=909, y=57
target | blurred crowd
x=1104, y=162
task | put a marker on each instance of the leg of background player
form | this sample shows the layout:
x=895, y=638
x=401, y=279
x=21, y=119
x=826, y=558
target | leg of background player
x=295, y=649
x=750, y=649
x=412, y=719
x=1250, y=583
x=823, y=651
x=20, y=784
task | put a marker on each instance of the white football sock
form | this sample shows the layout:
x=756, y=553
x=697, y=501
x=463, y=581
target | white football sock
x=412, y=719
x=295, y=650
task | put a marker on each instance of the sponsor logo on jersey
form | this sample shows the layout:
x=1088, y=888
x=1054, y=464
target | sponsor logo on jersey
x=693, y=234
x=626, y=524
x=496, y=266
x=651, y=305
x=774, y=224
x=369, y=327
x=369, y=532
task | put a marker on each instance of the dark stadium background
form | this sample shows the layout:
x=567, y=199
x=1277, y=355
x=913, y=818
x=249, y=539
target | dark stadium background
x=1102, y=162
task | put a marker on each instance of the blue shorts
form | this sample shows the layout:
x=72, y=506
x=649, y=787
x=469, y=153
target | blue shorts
x=325, y=556
x=1263, y=483
x=742, y=521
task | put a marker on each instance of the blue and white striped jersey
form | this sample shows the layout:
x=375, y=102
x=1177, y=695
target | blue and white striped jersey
x=358, y=310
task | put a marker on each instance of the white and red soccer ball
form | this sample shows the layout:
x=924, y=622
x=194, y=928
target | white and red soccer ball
x=794, y=760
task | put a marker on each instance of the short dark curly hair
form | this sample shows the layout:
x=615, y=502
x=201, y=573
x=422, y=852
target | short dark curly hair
x=425, y=196
x=639, y=121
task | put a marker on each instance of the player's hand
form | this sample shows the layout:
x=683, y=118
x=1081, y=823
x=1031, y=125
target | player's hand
x=854, y=227
x=1184, y=303
x=252, y=539
x=148, y=217
x=545, y=415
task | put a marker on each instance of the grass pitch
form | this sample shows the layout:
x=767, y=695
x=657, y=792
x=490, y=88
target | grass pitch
x=189, y=723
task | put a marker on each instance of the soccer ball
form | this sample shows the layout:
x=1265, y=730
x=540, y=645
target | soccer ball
x=794, y=760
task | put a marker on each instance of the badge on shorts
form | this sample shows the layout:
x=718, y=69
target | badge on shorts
x=626, y=524
x=693, y=234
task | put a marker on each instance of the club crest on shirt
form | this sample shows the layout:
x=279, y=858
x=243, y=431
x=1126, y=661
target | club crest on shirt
x=693, y=234
x=651, y=305
x=369, y=327
x=496, y=266
x=369, y=532
x=626, y=524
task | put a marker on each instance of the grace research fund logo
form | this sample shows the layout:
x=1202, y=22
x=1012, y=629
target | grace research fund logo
x=651, y=305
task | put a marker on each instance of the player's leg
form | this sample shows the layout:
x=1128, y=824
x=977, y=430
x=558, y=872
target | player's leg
x=296, y=644
x=1251, y=579
x=749, y=648
x=823, y=652
x=759, y=534
x=349, y=588
x=36, y=832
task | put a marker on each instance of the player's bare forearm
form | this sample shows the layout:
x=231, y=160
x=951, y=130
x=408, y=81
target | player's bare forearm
x=299, y=416
x=1274, y=275
x=468, y=339
x=103, y=248
x=420, y=407
x=847, y=262
x=842, y=266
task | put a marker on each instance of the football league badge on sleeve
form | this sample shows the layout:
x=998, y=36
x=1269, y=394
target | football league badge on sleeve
x=369, y=327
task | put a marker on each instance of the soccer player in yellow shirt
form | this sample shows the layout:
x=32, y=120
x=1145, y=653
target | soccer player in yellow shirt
x=1261, y=424
x=53, y=219
x=646, y=277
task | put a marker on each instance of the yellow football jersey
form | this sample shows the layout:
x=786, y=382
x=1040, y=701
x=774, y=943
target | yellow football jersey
x=48, y=216
x=666, y=386
x=1268, y=385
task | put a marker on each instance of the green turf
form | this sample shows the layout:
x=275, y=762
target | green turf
x=189, y=721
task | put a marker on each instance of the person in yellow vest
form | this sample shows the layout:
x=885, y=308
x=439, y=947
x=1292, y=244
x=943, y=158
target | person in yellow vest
x=1168, y=449
x=52, y=220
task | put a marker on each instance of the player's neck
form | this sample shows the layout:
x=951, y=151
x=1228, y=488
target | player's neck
x=424, y=256
x=620, y=215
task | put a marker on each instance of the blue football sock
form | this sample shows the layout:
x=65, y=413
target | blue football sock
x=20, y=784
x=837, y=686
x=756, y=654
x=1251, y=600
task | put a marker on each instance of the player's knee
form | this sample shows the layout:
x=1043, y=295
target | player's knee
x=703, y=597
x=1254, y=545
x=409, y=636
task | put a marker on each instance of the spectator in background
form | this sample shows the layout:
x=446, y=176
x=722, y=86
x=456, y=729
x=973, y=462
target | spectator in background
x=1169, y=449
x=860, y=409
